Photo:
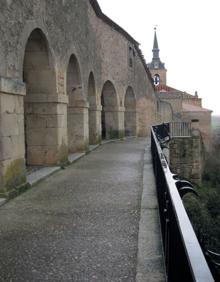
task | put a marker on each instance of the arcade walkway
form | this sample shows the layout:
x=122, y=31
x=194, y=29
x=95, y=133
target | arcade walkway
x=89, y=222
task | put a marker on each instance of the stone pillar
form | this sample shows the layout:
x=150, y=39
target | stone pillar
x=130, y=122
x=121, y=117
x=12, y=162
x=78, y=129
x=195, y=124
x=95, y=124
x=114, y=122
x=46, y=129
x=186, y=158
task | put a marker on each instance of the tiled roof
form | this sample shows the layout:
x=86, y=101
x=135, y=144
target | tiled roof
x=193, y=108
x=107, y=20
x=166, y=88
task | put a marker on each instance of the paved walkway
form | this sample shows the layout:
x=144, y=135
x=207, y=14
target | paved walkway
x=82, y=223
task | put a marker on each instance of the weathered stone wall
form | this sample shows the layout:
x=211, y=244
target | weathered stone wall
x=114, y=54
x=165, y=112
x=186, y=157
x=193, y=101
x=175, y=101
x=204, y=125
x=12, y=166
x=47, y=96
x=162, y=73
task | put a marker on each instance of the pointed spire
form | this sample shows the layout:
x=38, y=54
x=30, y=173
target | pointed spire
x=156, y=62
x=156, y=49
x=155, y=39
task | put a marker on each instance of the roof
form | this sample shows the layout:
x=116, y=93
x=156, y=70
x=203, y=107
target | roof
x=107, y=20
x=165, y=88
x=155, y=46
x=193, y=108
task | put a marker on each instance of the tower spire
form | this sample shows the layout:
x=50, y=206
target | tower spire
x=156, y=67
x=155, y=49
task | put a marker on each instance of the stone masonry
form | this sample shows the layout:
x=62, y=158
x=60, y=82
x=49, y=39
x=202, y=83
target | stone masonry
x=69, y=76
x=186, y=157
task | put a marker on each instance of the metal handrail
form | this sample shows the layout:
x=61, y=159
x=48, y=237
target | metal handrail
x=180, y=129
x=184, y=258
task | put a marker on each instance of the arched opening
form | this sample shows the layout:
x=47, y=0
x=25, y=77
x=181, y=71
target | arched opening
x=156, y=79
x=39, y=76
x=110, y=115
x=93, y=130
x=130, y=113
x=76, y=118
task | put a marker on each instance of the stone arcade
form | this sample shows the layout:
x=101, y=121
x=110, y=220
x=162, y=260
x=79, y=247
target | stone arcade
x=69, y=76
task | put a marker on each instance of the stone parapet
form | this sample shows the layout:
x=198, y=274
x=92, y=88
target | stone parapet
x=186, y=157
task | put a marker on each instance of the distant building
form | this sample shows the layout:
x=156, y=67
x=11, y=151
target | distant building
x=185, y=107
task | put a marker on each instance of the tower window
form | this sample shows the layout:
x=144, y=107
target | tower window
x=131, y=55
x=156, y=65
x=156, y=79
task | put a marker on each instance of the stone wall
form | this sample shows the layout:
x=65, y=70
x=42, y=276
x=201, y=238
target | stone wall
x=204, y=125
x=162, y=73
x=186, y=157
x=165, y=112
x=56, y=57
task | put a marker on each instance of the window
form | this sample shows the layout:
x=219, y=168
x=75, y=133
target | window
x=131, y=55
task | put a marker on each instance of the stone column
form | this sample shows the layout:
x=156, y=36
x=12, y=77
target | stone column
x=12, y=162
x=121, y=117
x=114, y=122
x=78, y=131
x=195, y=124
x=95, y=124
x=46, y=129
x=130, y=122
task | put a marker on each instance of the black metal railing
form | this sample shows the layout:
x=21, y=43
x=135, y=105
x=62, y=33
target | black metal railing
x=184, y=258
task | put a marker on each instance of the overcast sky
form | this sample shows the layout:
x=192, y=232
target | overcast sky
x=188, y=33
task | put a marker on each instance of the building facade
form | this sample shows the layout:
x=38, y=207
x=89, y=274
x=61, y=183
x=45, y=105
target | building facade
x=69, y=76
x=183, y=106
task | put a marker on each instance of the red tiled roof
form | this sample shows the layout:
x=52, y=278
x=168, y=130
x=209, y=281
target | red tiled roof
x=193, y=108
x=166, y=88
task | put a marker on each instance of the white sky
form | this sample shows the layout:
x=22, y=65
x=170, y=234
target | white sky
x=188, y=35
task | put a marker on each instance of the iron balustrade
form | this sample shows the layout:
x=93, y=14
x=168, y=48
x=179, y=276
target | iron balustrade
x=180, y=129
x=183, y=255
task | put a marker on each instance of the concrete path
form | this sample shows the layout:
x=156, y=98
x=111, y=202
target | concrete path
x=82, y=223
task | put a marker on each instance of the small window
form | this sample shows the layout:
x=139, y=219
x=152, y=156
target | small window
x=156, y=79
x=131, y=55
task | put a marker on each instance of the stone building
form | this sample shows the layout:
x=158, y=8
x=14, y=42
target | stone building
x=183, y=106
x=69, y=76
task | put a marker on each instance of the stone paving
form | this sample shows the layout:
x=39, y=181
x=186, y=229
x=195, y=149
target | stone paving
x=79, y=224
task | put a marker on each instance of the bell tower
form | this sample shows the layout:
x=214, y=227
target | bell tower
x=156, y=67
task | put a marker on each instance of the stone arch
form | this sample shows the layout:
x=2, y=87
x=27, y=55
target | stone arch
x=110, y=112
x=94, y=112
x=29, y=27
x=130, y=118
x=39, y=76
x=77, y=111
x=74, y=81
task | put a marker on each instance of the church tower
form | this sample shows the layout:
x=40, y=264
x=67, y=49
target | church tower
x=156, y=67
